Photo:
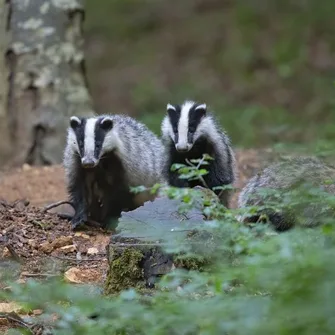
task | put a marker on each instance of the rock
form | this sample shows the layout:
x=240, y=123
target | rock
x=92, y=251
x=150, y=242
x=291, y=192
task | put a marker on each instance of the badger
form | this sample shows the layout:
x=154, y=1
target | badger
x=188, y=132
x=104, y=156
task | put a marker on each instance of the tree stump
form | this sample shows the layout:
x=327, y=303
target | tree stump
x=153, y=240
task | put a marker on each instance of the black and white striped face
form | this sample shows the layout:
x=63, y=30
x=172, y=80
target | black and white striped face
x=91, y=138
x=182, y=124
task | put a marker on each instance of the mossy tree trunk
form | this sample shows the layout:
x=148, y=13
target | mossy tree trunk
x=42, y=77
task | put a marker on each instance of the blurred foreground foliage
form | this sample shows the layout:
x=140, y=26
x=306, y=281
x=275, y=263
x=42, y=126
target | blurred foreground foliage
x=266, y=68
x=259, y=282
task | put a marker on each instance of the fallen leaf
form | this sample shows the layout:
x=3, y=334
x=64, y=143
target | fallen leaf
x=80, y=234
x=79, y=276
x=92, y=251
x=68, y=248
x=62, y=241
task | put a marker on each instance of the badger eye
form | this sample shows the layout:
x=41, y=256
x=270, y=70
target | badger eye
x=106, y=124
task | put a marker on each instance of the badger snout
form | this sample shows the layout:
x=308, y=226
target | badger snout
x=183, y=147
x=88, y=163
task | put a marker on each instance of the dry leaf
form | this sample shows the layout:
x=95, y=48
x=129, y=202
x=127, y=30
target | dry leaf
x=68, y=248
x=62, y=241
x=80, y=234
x=80, y=276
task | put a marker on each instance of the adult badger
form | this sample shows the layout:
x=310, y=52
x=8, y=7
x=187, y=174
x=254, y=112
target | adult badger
x=103, y=158
x=188, y=132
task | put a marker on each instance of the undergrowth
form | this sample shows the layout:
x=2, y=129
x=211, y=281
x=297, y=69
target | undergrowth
x=259, y=282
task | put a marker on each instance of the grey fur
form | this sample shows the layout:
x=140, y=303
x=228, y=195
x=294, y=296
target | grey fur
x=285, y=178
x=141, y=154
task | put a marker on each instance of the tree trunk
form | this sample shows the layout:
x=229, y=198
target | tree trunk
x=46, y=82
x=4, y=137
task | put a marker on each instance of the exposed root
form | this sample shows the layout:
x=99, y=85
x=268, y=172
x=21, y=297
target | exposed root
x=57, y=204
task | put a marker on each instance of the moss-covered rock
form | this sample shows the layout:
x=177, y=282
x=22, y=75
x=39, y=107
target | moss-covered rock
x=293, y=191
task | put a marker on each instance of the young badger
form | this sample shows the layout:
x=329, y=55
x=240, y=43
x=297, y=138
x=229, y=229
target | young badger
x=188, y=132
x=103, y=158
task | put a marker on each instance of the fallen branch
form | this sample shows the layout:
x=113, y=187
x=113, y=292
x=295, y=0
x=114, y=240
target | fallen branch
x=16, y=319
x=40, y=274
x=57, y=204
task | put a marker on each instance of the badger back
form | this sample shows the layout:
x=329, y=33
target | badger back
x=140, y=150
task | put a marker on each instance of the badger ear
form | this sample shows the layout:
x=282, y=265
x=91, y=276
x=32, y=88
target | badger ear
x=170, y=108
x=74, y=122
x=202, y=109
x=106, y=123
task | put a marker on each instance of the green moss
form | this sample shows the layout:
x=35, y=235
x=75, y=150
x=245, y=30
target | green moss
x=124, y=270
x=190, y=262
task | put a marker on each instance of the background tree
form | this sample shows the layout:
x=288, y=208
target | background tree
x=43, y=78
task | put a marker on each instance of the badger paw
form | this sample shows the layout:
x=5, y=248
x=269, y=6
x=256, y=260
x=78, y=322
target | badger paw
x=78, y=221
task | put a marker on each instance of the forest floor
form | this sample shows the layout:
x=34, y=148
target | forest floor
x=42, y=245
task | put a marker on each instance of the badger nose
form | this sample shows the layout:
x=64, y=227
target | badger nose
x=182, y=147
x=87, y=162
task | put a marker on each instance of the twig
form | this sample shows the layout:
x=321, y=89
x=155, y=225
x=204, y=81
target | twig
x=197, y=167
x=39, y=274
x=13, y=253
x=57, y=204
x=14, y=318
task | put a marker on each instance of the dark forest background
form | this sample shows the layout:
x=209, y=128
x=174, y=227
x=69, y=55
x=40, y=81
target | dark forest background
x=265, y=67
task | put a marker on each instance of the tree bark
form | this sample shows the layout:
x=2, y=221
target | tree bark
x=46, y=82
x=4, y=139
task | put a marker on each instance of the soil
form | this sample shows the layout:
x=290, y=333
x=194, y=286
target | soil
x=41, y=244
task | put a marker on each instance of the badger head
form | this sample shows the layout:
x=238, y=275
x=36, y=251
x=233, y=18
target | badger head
x=182, y=124
x=91, y=138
